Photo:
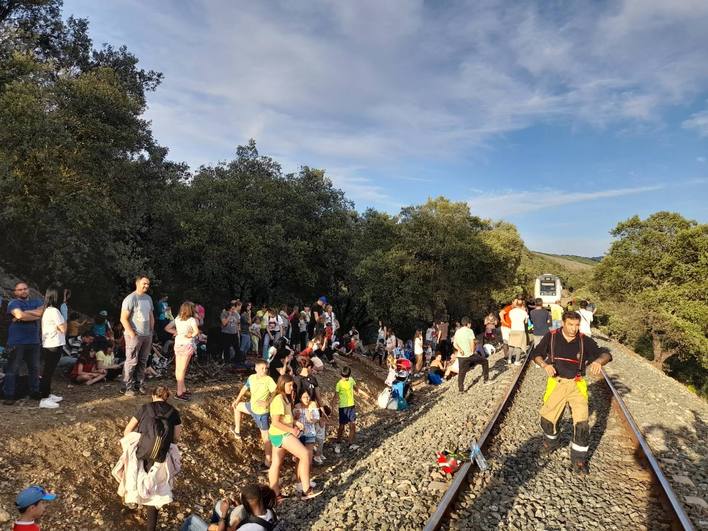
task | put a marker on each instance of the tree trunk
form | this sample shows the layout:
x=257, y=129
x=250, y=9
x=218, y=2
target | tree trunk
x=660, y=355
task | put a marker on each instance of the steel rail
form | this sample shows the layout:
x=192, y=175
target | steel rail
x=671, y=501
x=453, y=491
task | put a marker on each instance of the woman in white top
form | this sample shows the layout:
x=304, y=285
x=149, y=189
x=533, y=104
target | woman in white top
x=517, y=335
x=418, y=351
x=53, y=341
x=185, y=330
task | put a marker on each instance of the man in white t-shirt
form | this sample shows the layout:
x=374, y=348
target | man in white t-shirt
x=464, y=343
x=586, y=317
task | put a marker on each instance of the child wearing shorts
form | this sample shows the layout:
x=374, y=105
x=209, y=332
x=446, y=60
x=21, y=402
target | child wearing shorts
x=262, y=388
x=321, y=434
x=347, y=412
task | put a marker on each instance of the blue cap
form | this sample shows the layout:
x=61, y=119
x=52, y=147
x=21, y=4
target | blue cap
x=323, y=299
x=32, y=495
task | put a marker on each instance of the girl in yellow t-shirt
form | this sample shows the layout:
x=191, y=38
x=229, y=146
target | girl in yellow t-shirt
x=283, y=434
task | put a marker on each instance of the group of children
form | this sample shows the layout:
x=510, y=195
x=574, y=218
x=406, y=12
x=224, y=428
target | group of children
x=292, y=417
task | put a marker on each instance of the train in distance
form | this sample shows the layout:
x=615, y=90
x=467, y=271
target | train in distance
x=548, y=288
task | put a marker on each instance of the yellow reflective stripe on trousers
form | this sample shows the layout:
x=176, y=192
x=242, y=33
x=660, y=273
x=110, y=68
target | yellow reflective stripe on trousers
x=582, y=386
x=551, y=384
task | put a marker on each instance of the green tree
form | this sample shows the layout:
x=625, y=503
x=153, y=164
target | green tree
x=659, y=266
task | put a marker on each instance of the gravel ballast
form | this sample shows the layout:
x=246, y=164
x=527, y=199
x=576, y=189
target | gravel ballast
x=524, y=489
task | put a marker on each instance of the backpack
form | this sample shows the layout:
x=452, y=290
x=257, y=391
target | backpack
x=265, y=524
x=155, y=439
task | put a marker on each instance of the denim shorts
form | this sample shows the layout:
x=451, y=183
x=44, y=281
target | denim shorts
x=347, y=415
x=262, y=421
x=307, y=439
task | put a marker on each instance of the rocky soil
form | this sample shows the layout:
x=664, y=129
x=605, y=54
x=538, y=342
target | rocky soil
x=392, y=481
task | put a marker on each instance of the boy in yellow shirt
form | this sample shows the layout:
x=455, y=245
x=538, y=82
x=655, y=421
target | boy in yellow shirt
x=262, y=388
x=347, y=413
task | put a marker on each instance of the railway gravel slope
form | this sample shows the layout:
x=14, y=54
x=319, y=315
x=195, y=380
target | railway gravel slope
x=674, y=422
x=393, y=481
x=525, y=490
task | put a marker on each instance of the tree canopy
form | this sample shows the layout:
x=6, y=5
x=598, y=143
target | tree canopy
x=657, y=268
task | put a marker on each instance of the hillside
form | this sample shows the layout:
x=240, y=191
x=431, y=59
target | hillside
x=570, y=262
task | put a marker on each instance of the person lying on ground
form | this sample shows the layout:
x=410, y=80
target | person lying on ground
x=86, y=370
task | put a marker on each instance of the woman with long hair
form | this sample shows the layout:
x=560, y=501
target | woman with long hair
x=283, y=434
x=53, y=339
x=185, y=331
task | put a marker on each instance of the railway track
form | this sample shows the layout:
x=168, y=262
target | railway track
x=522, y=489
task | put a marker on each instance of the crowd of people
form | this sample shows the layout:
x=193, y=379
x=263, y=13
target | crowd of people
x=286, y=349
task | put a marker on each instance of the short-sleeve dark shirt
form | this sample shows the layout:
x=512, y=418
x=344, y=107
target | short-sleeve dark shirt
x=540, y=318
x=566, y=354
x=23, y=332
x=160, y=408
x=303, y=384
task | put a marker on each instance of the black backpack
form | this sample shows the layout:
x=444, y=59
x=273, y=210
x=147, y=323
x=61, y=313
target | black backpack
x=265, y=524
x=155, y=438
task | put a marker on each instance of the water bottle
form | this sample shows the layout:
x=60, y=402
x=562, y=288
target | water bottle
x=476, y=454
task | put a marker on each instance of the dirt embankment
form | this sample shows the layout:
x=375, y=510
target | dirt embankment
x=72, y=450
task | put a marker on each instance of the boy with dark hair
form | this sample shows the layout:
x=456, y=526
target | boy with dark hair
x=31, y=504
x=347, y=413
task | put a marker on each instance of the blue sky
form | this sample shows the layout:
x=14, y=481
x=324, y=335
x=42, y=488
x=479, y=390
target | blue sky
x=560, y=117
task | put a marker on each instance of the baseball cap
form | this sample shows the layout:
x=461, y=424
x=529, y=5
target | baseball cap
x=32, y=495
x=103, y=313
x=323, y=299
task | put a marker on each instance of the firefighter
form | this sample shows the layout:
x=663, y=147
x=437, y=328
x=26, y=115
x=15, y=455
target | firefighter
x=564, y=354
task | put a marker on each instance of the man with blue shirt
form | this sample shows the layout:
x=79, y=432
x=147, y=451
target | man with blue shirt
x=23, y=341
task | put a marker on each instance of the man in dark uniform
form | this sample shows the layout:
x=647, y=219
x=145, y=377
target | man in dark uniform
x=564, y=354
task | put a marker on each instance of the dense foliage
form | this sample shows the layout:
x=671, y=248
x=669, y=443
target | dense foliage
x=655, y=277
x=89, y=199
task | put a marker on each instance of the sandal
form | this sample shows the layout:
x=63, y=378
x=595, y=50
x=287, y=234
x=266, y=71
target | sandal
x=280, y=498
x=311, y=493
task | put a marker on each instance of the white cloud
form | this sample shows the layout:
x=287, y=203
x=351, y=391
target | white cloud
x=697, y=122
x=343, y=84
x=500, y=205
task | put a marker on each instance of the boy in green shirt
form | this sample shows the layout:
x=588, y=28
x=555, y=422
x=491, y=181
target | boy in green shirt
x=262, y=388
x=347, y=413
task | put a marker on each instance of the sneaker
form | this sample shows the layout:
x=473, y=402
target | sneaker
x=354, y=447
x=318, y=459
x=129, y=392
x=182, y=397
x=517, y=363
x=337, y=449
x=45, y=403
x=55, y=398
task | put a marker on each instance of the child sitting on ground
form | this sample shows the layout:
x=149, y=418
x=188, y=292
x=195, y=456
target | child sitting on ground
x=86, y=370
x=321, y=434
x=107, y=361
x=347, y=412
x=31, y=504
